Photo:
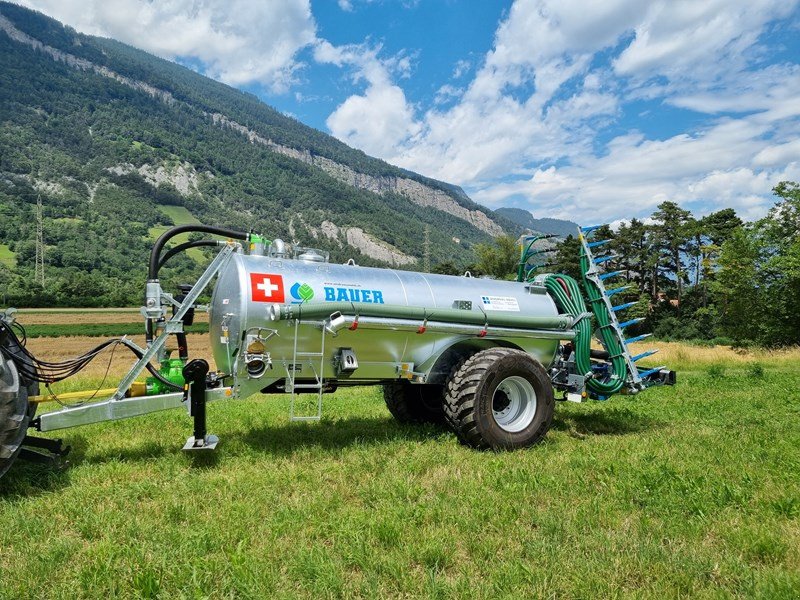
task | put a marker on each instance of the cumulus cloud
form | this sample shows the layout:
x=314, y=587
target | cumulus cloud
x=238, y=41
x=379, y=119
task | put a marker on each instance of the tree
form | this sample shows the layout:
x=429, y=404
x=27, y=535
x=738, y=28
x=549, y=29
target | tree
x=634, y=247
x=672, y=232
x=499, y=259
x=567, y=258
x=758, y=284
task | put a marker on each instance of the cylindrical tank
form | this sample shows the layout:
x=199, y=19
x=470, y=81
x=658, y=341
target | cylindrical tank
x=243, y=322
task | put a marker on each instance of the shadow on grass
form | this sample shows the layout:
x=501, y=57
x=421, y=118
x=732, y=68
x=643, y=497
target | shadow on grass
x=26, y=479
x=288, y=439
x=615, y=421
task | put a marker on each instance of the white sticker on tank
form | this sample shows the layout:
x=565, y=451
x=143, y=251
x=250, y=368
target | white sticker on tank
x=507, y=303
x=226, y=300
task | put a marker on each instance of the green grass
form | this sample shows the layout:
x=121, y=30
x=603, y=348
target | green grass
x=180, y=215
x=690, y=491
x=97, y=329
x=7, y=257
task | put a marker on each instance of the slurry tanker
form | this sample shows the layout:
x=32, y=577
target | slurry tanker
x=487, y=358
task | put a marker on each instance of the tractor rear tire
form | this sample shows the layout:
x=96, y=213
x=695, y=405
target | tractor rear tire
x=500, y=399
x=15, y=414
x=410, y=403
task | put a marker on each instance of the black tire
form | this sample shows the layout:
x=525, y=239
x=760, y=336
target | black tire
x=417, y=403
x=501, y=399
x=15, y=415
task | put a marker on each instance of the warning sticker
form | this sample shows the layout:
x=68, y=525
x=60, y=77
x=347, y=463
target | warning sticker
x=507, y=303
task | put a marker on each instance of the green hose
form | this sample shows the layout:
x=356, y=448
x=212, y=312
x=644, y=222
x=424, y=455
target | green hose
x=565, y=291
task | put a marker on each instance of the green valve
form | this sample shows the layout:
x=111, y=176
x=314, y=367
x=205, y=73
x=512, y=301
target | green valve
x=172, y=370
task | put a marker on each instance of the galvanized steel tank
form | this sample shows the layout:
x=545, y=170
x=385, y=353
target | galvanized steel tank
x=248, y=287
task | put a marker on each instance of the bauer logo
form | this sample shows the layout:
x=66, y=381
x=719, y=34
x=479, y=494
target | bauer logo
x=266, y=287
x=301, y=292
x=350, y=294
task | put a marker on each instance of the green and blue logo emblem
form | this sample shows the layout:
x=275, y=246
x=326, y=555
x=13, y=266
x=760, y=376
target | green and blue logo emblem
x=301, y=292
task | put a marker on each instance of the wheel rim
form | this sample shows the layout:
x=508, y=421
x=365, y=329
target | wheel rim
x=514, y=404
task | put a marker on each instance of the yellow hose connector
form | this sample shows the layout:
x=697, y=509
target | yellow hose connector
x=137, y=388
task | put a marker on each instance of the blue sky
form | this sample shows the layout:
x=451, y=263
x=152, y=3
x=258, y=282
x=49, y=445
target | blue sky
x=572, y=109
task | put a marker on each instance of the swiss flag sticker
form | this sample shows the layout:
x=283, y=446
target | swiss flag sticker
x=265, y=287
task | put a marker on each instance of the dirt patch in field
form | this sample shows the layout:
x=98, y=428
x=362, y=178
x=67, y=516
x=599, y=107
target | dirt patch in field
x=58, y=349
x=89, y=316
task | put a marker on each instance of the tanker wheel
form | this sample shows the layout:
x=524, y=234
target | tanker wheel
x=15, y=414
x=420, y=403
x=501, y=399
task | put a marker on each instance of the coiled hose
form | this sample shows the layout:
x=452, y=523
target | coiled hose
x=567, y=295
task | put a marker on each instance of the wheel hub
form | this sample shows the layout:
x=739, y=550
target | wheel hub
x=514, y=404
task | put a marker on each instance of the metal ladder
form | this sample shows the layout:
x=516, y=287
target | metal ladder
x=636, y=378
x=291, y=376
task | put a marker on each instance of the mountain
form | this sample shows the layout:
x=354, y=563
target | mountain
x=119, y=145
x=525, y=219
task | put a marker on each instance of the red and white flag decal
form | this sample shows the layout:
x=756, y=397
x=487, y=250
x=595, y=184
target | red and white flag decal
x=265, y=287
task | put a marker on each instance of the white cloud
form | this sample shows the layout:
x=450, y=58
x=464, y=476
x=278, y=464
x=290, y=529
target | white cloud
x=380, y=118
x=779, y=154
x=697, y=40
x=239, y=41
x=461, y=68
x=638, y=174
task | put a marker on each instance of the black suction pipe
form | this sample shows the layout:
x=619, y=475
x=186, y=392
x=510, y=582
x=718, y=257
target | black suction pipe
x=155, y=254
x=186, y=246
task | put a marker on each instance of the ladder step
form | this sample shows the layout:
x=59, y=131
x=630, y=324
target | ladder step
x=307, y=386
x=314, y=354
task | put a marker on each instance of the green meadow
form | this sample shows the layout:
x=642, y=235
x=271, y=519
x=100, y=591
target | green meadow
x=679, y=492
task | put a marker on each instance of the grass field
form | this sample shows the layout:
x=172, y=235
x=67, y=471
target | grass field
x=97, y=329
x=685, y=491
x=7, y=257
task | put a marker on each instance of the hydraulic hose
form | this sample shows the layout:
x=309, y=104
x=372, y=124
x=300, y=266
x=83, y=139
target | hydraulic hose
x=186, y=246
x=567, y=295
x=155, y=254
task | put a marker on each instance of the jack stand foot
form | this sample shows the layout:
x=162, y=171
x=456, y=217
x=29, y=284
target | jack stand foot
x=52, y=451
x=193, y=445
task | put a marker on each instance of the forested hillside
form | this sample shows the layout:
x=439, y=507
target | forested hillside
x=118, y=145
